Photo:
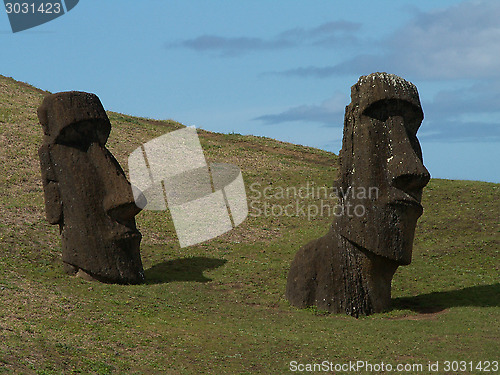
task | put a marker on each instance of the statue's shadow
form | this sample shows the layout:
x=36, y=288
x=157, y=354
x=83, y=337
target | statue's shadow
x=182, y=269
x=480, y=296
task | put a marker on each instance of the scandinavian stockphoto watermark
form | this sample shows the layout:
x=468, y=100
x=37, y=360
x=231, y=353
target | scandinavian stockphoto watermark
x=205, y=200
x=26, y=14
x=308, y=200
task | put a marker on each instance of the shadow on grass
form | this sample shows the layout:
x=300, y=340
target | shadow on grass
x=183, y=269
x=481, y=296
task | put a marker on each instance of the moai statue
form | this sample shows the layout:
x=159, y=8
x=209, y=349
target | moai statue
x=86, y=191
x=380, y=185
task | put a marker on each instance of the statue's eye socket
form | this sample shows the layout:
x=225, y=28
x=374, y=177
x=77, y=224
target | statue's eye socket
x=383, y=109
x=81, y=134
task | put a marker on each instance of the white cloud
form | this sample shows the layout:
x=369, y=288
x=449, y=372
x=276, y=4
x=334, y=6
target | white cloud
x=462, y=41
x=327, y=34
x=330, y=112
x=459, y=42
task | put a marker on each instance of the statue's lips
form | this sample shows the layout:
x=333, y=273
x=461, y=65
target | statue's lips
x=409, y=203
x=128, y=236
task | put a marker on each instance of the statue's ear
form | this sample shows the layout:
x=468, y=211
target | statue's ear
x=53, y=204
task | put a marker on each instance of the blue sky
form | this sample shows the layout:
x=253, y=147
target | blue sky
x=281, y=69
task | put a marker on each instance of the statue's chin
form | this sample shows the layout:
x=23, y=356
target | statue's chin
x=387, y=231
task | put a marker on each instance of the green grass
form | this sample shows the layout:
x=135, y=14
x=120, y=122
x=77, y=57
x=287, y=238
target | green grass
x=219, y=307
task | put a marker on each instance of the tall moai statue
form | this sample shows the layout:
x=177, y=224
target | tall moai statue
x=86, y=191
x=382, y=175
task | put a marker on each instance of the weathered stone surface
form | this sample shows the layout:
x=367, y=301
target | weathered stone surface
x=86, y=191
x=381, y=179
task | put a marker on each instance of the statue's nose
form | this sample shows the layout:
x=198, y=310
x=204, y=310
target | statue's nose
x=118, y=199
x=406, y=170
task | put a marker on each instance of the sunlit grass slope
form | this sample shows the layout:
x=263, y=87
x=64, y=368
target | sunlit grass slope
x=219, y=307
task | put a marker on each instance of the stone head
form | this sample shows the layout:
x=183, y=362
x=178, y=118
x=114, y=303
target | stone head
x=86, y=190
x=382, y=173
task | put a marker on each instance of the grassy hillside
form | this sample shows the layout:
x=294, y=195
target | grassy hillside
x=219, y=307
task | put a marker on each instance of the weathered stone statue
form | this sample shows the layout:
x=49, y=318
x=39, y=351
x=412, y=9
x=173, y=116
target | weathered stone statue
x=380, y=185
x=86, y=191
